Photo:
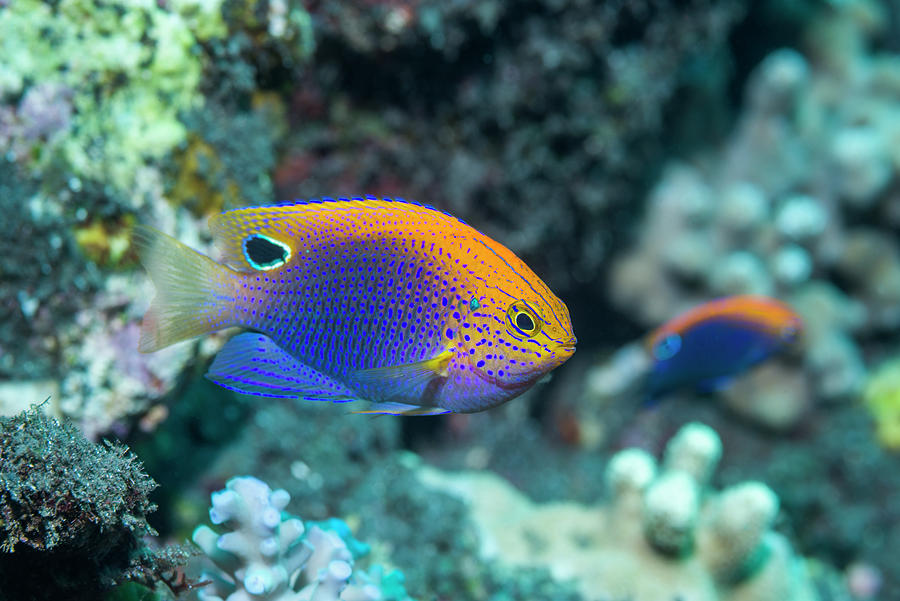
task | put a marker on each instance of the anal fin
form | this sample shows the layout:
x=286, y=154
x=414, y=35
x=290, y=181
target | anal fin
x=252, y=363
x=401, y=409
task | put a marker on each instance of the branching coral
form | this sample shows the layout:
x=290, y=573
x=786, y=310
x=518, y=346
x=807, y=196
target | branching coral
x=665, y=534
x=352, y=467
x=266, y=553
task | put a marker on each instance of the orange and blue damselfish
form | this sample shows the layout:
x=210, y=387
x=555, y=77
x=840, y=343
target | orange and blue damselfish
x=706, y=347
x=383, y=300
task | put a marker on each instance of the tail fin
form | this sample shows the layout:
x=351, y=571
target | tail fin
x=194, y=294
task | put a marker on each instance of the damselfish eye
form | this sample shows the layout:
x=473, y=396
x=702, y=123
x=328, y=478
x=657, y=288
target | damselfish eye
x=523, y=320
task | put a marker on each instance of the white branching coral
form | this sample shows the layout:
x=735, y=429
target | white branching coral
x=268, y=554
x=664, y=534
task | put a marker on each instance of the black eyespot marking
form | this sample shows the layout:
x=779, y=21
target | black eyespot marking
x=524, y=322
x=264, y=253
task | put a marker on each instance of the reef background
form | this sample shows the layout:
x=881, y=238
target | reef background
x=641, y=156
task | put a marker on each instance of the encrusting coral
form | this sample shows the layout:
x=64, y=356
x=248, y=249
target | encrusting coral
x=91, y=103
x=99, y=105
x=665, y=534
x=137, y=65
x=267, y=553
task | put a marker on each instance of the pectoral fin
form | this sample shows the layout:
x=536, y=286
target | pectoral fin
x=408, y=384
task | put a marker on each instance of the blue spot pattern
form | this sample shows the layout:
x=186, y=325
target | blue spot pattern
x=347, y=303
x=389, y=284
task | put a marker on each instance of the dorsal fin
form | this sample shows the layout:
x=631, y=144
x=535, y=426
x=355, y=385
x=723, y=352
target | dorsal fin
x=287, y=223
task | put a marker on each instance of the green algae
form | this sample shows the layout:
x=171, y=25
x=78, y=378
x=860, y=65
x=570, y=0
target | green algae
x=130, y=71
x=882, y=398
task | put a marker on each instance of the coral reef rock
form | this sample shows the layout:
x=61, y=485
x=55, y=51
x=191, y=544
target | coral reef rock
x=664, y=534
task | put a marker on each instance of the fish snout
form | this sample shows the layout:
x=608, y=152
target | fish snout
x=569, y=345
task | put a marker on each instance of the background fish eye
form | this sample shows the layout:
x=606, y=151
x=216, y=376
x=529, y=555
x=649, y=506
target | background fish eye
x=667, y=347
